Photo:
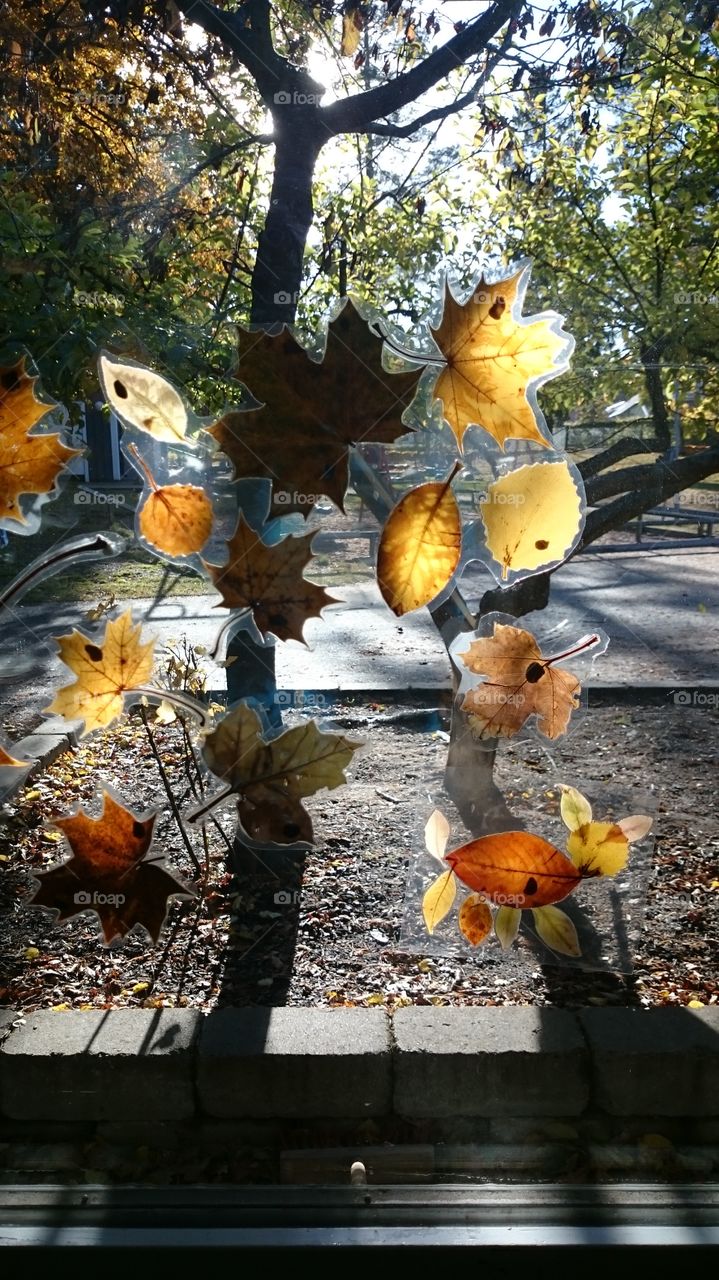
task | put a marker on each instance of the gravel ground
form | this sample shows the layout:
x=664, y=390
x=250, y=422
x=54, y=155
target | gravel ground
x=339, y=926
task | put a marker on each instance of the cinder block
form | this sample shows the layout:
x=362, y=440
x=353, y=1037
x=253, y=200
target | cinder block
x=489, y=1062
x=89, y=1066
x=295, y=1063
x=662, y=1062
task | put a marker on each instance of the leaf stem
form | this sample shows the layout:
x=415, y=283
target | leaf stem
x=133, y=449
x=182, y=700
x=416, y=356
x=587, y=642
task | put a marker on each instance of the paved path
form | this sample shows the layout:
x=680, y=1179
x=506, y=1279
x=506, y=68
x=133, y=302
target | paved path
x=660, y=610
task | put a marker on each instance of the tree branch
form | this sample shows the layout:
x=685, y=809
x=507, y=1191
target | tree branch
x=247, y=34
x=624, y=448
x=439, y=113
x=655, y=481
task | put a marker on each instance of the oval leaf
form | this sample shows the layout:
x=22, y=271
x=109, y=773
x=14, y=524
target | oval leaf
x=177, y=519
x=420, y=546
x=438, y=900
x=515, y=869
x=636, y=827
x=557, y=930
x=436, y=834
x=598, y=849
x=506, y=925
x=532, y=516
x=475, y=919
x=575, y=808
x=144, y=400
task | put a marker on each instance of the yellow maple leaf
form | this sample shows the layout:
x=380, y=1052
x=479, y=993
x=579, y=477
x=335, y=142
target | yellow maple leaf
x=29, y=464
x=491, y=359
x=104, y=672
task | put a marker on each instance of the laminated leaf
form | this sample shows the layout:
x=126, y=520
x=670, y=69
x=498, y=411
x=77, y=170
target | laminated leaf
x=312, y=411
x=271, y=778
x=475, y=919
x=436, y=834
x=520, y=682
x=506, y=925
x=636, y=827
x=439, y=900
x=532, y=516
x=598, y=849
x=9, y=762
x=144, y=399
x=110, y=872
x=490, y=360
x=557, y=930
x=575, y=809
x=515, y=869
x=29, y=463
x=104, y=672
x=174, y=518
x=270, y=582
x=420, y=546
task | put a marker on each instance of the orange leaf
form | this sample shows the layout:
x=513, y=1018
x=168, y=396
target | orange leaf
x=515, y=869
x=475, y=919
x=420, y=546
x=9, y=762
x=29, y=464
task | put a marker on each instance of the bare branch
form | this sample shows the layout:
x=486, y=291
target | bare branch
x=439, y=113
x=651, y=483
x=624, y=448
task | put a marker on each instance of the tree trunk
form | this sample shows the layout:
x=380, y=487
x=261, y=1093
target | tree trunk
x=651, y=357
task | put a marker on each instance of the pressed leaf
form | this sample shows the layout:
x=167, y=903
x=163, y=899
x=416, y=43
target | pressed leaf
x=532, y=516
x=439, y=900
x=105, y=670
x=520, y=682
x=29, y=464
x=636, y=827
x=144, y=399
x=506, y=925
x=575, y=808
x=420, y=546
x=312, y=411
x=436, y=834
x=475, y=919
x=491, y=359
x=9, y=762
x=557, y=930
x=177, y=519
x=598, y=849
x=515, y=869
x=110, y=872
x=270, y=581
x=271, y=778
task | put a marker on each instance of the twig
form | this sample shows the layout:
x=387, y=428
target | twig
x=170, y=794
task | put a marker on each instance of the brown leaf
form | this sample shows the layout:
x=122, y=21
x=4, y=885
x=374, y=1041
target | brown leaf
x=475, y=919
x=515, y=869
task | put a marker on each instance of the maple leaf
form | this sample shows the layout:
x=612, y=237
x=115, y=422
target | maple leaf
x=420, y=546
x=104, y=671
x=313, y=411
x=270, y=582
x=271, y=778
x=492, y=358
x=110, y=872
x=29, y=464
x=520, y=682
x=533, y=517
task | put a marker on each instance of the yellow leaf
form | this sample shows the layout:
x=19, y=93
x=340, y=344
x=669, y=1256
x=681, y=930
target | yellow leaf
x=475, y=919
x=177, y=519
x=532, y=516
x=506, y=925
x=29, y=464
x=695, y=1004
x=377, y=998
x=105, y=672
x=438, y=900
x=32, y=794
x=575, y=808
x=59, y=1008
x=32, y=953
x=352, y=24
x=139, y=987
x=557, y=930
x=9, y=762
x=420, y=546
x=436, y=834
x=492, y=358
x=165, y=713
x=598, y=849
x=144, y=400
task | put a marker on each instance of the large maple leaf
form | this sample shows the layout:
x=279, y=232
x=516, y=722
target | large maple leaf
x=110, y=872
x=313, y=411
x=29, y=464
x=491, y=357
x=269, y=580
x=271, y=778
x=104, y=672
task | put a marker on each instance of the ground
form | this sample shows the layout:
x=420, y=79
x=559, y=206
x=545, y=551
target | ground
x=335, y=934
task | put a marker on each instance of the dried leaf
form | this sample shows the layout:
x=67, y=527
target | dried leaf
x=491, y=360
x=514, y=868
x=420, y=546
x=352, y=25
x=475, y=919
x=143, y=399
x=270, y=581
x=598, y=849
x=532, y=516
x=177, y=519
x=29, y=464
x=9, y=762
x=104, y=671
x=575, y=809
x=557, y=930
x=436, y=834
x=438, y=900
x=506, y=925
x=636, y=827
